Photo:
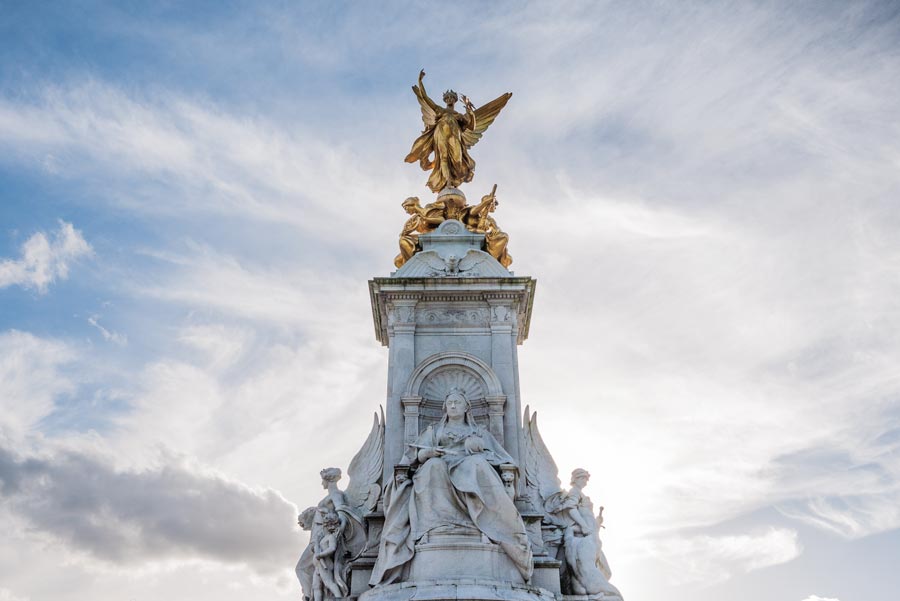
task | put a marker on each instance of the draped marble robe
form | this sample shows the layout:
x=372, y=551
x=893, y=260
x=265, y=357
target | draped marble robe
x=458, y=489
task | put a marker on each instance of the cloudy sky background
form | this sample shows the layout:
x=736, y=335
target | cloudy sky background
x=192, y=199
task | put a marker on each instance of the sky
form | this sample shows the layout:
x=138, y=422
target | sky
x=193, y=197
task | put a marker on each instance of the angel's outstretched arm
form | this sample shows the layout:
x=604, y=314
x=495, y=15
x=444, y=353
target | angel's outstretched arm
x=422, y=95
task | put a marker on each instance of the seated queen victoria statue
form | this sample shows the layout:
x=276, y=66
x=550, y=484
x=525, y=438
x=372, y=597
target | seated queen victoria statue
x=456, y=489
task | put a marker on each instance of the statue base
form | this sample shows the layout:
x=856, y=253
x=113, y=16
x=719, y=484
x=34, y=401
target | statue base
x=458, y=589
x=461, y=563
x=476, y=559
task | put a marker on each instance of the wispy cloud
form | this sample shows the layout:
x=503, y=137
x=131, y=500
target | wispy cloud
x=710, y=560
x=108, y=335
x=850, y=516
x=31, y=380
x=45, y=259
x=199, y=158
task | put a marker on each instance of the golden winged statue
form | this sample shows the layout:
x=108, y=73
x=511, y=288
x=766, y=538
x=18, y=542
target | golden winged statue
x=448, y=135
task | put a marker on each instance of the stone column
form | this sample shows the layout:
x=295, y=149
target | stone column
x=402, y=361
x=503, y=347
x=496, y=404
x=411, y=417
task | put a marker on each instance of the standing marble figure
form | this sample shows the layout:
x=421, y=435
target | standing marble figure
x=586, y=565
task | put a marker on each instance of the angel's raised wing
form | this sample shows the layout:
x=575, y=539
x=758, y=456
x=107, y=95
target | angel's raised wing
x=364, y=472
x=541, y=473
x=484, y=116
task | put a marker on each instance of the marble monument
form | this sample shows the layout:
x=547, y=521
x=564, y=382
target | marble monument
x=454, y=494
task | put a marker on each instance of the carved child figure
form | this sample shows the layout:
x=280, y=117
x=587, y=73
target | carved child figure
x=306, y=567
x=325, y=547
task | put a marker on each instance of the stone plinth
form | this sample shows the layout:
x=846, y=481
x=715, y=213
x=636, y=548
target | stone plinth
x=461, y=556
x=458, y=589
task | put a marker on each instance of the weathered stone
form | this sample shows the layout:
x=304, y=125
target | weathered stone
x=452, y=318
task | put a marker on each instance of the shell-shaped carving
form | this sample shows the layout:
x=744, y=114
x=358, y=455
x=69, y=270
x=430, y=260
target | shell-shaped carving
x=435, y=388
x=439, y=384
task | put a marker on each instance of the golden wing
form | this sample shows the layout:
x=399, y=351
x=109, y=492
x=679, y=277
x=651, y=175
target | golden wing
x=429, y=109
x=423, y=146
x=484, y=116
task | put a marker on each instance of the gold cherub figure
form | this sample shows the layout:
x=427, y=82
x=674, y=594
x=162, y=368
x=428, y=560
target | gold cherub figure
x=422, y=221
x=478, y=220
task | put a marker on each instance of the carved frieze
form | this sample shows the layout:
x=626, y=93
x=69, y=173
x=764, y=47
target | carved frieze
x=473, y=317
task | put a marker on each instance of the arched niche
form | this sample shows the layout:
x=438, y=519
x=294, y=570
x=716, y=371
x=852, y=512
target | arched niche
x=431, y=381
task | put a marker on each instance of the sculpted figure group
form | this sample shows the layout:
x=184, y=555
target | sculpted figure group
x=455, y=478
x=477, y=219
x=337, y=527
x=572, y=533
x=443, y=149
x=586, y=569
x=454, y=507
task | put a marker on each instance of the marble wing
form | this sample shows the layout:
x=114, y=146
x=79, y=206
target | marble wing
x=364, y=472
x=541, y=473
x=484, y=116
x=425, y=264
x=472, y=260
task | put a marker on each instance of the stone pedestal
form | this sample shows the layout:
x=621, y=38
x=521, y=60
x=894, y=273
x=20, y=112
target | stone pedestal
x=442, y=559
x=469, y=589
x=452, y=316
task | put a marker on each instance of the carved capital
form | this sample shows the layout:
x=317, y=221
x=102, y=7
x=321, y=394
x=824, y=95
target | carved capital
x=402, y=312
x=501, y=313
x=496, y=403
x=411, y=406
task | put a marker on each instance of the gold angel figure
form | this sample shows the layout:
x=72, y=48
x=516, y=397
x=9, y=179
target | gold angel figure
x=449, y=135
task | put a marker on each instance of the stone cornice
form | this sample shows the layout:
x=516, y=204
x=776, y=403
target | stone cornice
x=518, y=291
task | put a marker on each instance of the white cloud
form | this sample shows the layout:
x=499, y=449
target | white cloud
x=108, y=335
x=31, y=378
x=243, y=401
x=206, y=160
x=710, y=560
x=8, y=595
x=850, y=515
x=818, y=598
x=45, y=259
